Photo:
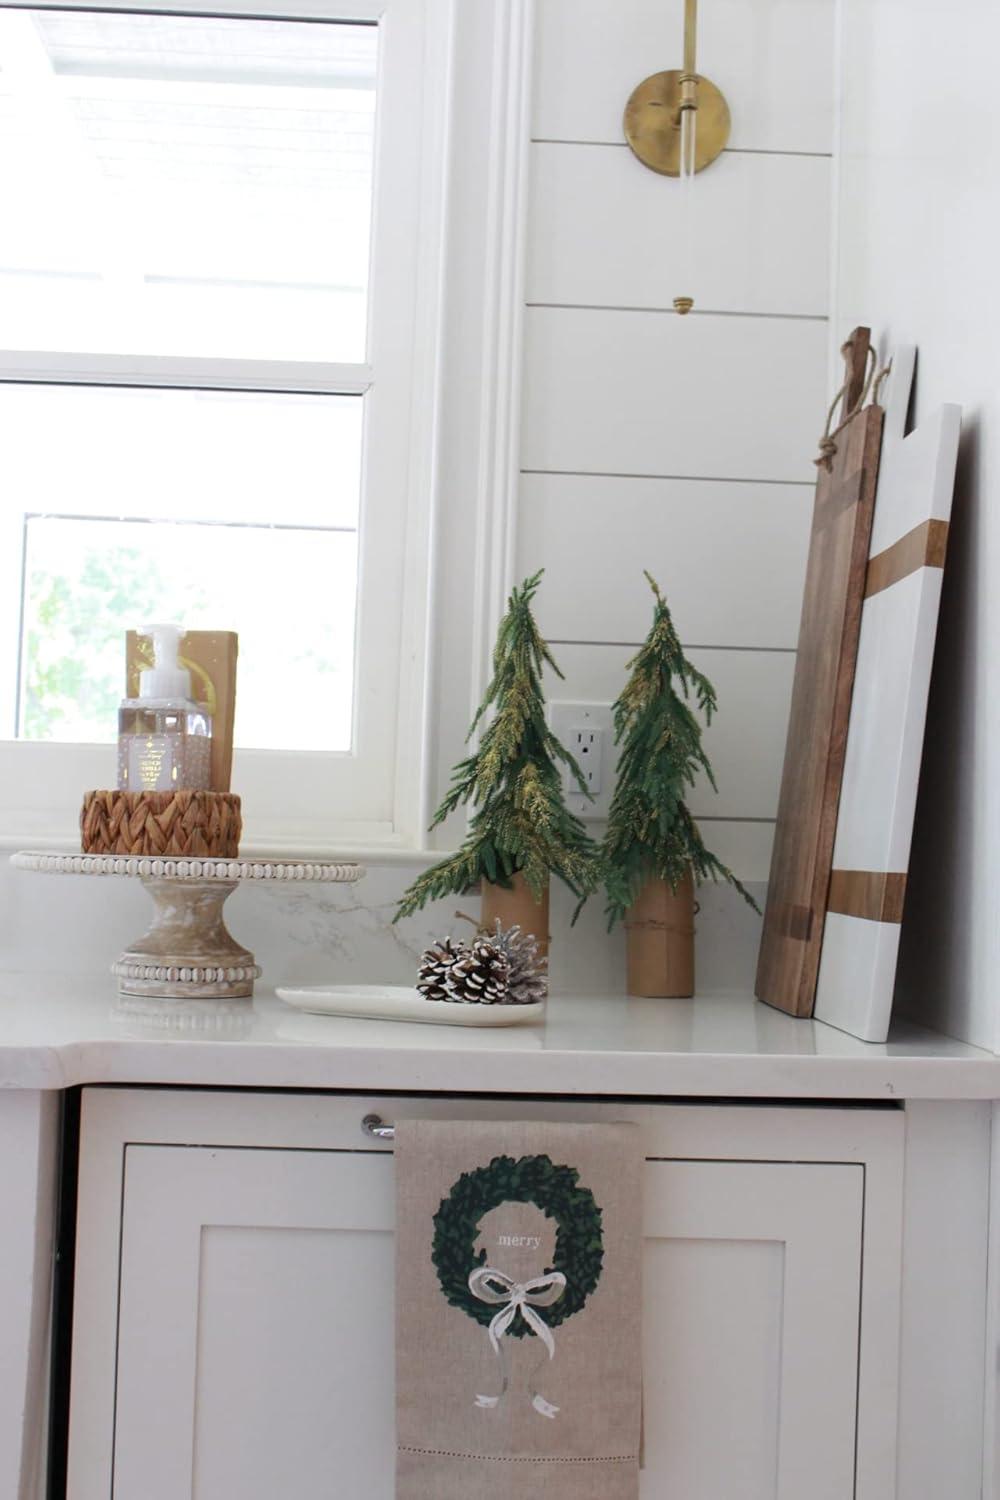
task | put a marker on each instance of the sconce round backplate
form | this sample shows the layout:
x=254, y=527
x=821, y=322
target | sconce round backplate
x=653, y=122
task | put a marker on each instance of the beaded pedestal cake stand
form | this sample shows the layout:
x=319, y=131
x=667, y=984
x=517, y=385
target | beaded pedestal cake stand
x=187, y=953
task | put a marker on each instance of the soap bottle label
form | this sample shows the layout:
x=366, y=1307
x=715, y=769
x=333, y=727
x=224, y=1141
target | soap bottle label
x=151, y=762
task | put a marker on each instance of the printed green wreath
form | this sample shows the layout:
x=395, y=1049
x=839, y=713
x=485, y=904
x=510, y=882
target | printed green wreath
x=579, y=1252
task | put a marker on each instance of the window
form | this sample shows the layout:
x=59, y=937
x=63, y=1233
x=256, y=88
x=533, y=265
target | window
x=216, y=271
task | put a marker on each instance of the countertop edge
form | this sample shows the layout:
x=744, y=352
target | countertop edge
x=59, y=1032
x=209, y=1064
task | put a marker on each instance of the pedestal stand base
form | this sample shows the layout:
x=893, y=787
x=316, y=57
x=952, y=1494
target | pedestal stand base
x=188, y=952
x=187, y=955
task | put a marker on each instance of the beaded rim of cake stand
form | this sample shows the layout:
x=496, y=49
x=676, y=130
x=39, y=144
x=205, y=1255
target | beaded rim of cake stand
x=185, y=973
x=156, y=867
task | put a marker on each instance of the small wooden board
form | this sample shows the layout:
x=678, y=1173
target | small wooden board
x=821, y=703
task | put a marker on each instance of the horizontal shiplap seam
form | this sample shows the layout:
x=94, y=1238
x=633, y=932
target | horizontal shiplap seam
x=554, y=140
x=701, y=817
x=730, y=818
x=572, y=640
x=696, y=312
x=800, y=484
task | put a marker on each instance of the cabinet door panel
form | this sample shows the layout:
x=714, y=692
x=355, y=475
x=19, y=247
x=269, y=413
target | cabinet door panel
x=720, y=1302
x=256, y=1338
x=290, y=1394
x=255, y=1349
x=751, y=1308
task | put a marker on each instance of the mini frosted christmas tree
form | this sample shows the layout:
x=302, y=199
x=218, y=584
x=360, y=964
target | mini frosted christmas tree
x=651, y=835
x=514, y=779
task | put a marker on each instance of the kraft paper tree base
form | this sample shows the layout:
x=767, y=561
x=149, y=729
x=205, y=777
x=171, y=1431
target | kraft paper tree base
x=517, y=907
x=660, y=941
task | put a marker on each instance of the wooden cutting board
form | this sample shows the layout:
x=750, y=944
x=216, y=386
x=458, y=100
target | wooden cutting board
x=792, y=940
x=878, y=795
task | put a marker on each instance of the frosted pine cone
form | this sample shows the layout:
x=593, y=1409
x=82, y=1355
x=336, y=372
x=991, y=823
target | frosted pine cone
x=480, y=976
x=436, y=964
x=527, y=980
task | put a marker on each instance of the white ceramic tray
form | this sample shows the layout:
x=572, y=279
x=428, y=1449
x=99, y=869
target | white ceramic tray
x=394, y=1002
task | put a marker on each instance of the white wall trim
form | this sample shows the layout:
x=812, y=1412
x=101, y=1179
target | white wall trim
x=944, y=1300
x=991, y=1375
x=503, y=330
x=177, y=372
x=419, y=614
x=29, y=1131
x=288, y=10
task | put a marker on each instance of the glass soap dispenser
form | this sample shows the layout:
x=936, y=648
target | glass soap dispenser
x=164, y=739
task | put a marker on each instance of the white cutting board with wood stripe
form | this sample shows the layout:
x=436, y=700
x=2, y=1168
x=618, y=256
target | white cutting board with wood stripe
x=878, y=795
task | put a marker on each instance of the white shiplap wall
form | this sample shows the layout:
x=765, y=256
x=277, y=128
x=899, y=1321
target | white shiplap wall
x=681, y=445
x=919, y=217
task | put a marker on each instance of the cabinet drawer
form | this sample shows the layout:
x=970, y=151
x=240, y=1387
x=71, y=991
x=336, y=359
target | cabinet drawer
x=234, y=1324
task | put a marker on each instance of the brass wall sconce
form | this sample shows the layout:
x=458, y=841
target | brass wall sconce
x=677, y=123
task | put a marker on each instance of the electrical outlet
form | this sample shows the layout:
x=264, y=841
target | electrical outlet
x=585, y=730
x=586, y=744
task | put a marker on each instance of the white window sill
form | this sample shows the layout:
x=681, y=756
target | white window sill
x=366, y=853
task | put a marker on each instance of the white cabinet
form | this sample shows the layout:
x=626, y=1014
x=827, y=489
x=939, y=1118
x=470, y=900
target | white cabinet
x=233, y=1331
x=255, y=1348
x=751, y=1305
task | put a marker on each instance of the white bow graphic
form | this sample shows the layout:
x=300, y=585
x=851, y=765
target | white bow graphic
x=513, y=1297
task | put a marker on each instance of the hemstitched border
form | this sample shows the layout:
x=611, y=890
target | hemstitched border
x=512, y=1458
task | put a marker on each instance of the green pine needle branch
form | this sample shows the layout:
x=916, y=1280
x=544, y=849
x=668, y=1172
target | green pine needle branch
x=514, y=781
x=651, y=834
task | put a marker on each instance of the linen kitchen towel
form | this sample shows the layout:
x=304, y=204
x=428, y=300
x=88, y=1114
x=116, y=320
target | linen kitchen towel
x=518, y=1310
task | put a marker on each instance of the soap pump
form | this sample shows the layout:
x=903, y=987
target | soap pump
x=164, y=738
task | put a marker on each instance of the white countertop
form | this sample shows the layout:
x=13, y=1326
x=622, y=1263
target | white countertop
x=57, y=1032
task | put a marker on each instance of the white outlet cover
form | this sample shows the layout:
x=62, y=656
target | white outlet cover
x=564, y=720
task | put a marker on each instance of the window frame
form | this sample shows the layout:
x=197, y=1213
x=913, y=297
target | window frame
x=376, y=795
